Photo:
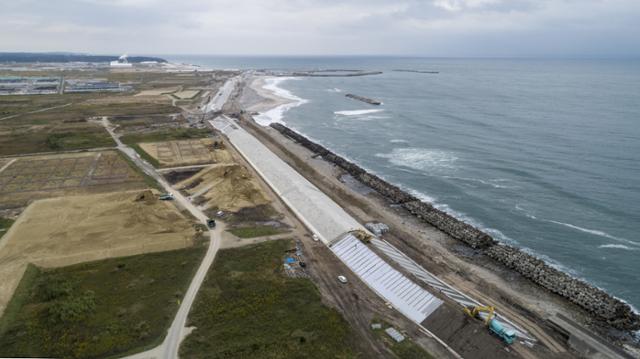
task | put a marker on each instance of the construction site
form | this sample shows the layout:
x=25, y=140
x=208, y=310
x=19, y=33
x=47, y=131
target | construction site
x=182, y=168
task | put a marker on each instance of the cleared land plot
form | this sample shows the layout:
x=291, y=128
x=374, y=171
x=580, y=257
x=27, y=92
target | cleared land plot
x=62, y=231
x=134, y=140
x=97, y=309
x=186, y=152
x=44, y=176
x=227, y=187
x=158, y=91
x=248, y=307
x=186, y=94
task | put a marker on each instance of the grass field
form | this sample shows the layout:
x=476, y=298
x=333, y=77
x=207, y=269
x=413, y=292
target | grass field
x=168, y=135
x=97, y=309
x=247, y=308
x=27, y=139
x=257, y=231
x=5, y=224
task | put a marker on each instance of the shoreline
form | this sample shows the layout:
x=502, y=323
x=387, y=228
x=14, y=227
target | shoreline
x=616, y=312
x=272, y=101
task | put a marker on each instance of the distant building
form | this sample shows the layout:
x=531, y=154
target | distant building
x=121, y=62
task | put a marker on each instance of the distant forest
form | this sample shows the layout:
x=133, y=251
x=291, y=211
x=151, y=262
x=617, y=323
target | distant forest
x=67, y=57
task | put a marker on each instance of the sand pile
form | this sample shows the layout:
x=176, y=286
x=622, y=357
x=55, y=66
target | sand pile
x=227, y=187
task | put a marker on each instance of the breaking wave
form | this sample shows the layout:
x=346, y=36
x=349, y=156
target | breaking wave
x=422, y=159
x=277, y=113
x=618, y=246
x=597, y=233
x=356, y=112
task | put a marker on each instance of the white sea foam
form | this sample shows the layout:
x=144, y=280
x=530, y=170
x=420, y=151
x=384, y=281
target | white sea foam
x=492, y=182
x=277, y=113
x=618, y=246
x=597, y=233
x=334, y=90
x=398, y=140
x=356, y=112
x=423, y=159
x=526, y=213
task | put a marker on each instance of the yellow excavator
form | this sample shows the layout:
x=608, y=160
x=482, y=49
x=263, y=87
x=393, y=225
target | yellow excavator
x=487, y=314
x=363, y=236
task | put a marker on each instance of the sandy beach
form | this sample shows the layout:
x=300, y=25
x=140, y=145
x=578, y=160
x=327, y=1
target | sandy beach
x=266, y=100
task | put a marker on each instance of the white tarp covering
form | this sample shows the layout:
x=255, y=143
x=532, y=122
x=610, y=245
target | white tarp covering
x=406, y=296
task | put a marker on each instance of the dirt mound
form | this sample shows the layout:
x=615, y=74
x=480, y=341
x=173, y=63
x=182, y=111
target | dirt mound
x=146, y=196
x=226, y=187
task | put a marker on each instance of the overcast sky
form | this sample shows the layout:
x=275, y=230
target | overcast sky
x=484, y=28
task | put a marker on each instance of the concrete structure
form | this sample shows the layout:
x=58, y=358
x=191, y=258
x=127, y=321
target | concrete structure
x=121, y=62
x=407, y=297
x=93, y=85
x=395, y=334
x=318, y=212
x=17, y=85
x=331, y=224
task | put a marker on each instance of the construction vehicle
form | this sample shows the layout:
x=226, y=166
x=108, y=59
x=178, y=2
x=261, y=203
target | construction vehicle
x=166, y=197
x=487, y=314
x=363, y=236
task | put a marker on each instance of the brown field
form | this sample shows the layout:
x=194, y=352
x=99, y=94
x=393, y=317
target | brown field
x=228, y=187
x=186, y=152
x=63, y=231
x=53, y=175
x=186, y=94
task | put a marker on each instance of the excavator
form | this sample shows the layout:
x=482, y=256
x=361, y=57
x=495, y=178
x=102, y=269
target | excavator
x=487, y=314
x=363, y=236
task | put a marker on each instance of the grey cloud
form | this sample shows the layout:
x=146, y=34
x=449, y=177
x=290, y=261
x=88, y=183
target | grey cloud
x=404, y=27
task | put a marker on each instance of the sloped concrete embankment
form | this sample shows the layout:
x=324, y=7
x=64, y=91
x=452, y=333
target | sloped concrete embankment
x=594, y=300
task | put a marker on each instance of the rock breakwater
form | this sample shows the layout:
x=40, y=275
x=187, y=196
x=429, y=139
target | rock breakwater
x=595, y=301
x=364, y=99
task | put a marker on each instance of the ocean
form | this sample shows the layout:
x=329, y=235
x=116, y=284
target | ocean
x=541, y=154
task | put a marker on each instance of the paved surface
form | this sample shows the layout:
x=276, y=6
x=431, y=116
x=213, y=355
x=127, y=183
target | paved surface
x=318, y=212
x=222, y=96
x=407, y=297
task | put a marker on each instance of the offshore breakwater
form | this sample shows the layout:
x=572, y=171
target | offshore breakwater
x=595, y=301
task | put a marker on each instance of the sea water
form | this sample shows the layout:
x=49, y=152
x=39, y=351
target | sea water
x=541, y=154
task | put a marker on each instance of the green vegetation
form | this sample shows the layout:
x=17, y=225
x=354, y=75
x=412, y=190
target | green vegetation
x=406, y=349
x=148, y=180
x=247, y=308
x=249, y=215
x=5, y=224
x=147, y=157
x=51, y=139
x=20, y=296
x=257, y=231
x=78, y=140
x=102, y=308
x=167, y=135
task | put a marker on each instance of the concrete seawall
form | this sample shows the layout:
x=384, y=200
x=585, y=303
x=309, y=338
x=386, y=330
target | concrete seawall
x=595, y=301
